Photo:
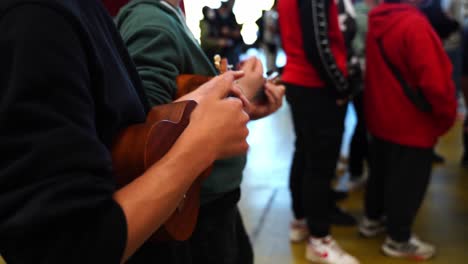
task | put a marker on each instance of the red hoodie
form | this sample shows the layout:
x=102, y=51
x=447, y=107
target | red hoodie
x=415, y=49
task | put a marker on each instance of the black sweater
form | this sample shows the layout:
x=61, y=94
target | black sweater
x=67, y=87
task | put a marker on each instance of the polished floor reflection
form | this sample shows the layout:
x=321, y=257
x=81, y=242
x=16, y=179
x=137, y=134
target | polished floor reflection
x=266, y=210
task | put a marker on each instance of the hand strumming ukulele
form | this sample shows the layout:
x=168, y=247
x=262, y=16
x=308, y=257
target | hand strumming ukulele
x=139, y=146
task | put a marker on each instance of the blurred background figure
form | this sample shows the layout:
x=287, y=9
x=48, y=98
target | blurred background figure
x=212, y=42
x=358, y=150
x=220, y=33
x=358, y=147
x=268, y=36
x=230, y=30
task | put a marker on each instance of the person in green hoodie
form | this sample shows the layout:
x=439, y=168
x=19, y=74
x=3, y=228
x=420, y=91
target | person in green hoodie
x=162, y=47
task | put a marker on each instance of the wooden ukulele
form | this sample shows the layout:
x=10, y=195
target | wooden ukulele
x=139, y=146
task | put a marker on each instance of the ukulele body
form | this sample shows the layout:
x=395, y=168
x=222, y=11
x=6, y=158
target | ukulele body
x=140, y=146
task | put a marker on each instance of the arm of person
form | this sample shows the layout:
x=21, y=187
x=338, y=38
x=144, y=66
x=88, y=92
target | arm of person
x=432, y=69
x=157, y=57
x=58, y=199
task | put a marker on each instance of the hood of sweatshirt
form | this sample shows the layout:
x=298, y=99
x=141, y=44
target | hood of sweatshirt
x=388, y=16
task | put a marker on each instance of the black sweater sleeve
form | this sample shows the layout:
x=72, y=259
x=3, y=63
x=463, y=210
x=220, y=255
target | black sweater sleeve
x=56, y=184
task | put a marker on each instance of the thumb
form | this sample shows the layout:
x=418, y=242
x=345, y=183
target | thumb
x=224, y=83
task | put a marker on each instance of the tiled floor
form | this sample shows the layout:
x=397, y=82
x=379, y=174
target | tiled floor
x=266, y=203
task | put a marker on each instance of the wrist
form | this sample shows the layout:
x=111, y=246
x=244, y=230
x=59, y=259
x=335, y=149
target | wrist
x=196, y=147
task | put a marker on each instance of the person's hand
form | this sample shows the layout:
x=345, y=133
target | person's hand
x=221, y=86
x=219, y=123
x=253, y=79
x=274, y=99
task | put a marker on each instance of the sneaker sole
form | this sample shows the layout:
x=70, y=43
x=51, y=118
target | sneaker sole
x=393, y=253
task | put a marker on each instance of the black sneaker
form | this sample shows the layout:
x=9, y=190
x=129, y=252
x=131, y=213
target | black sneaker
x=342, y=218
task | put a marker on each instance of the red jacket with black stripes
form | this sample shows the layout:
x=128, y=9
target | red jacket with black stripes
x=304, y=65
x=416, y=51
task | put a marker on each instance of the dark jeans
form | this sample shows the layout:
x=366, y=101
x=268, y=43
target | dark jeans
x=359, y=146
x=398, y=180
x=318, y=124
x=220, y=238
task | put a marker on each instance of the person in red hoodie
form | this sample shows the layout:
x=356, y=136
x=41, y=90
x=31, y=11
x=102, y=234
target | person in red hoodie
x=402, y=50
x=315, y=78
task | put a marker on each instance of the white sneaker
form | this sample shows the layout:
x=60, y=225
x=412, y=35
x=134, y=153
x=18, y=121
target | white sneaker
x=299, y=231
x=371, y=228
x=414, y=249
x=326, y=250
